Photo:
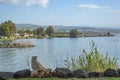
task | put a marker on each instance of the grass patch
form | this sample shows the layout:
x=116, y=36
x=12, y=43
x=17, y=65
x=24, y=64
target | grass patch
x=62, y=35
x=105, y=78
x=7, y=39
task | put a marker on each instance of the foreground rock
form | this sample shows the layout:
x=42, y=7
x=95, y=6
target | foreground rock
x=48, y=73
x=80, y=74
x=111, y=73
x=42, y=73
x=38, y=70
x=6, y=75
x=62, y=73
x=22, y=74
x=96, y=74
x=1, y=78
x=118, y=71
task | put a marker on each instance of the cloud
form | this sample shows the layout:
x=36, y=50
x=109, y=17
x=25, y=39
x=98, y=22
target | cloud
x=9, y=1
x=42, y=3
x=112, y=11
x=91, y=6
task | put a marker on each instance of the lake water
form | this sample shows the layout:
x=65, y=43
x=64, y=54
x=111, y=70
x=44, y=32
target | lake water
x=52, y=52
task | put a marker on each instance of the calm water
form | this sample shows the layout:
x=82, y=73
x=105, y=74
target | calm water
x=52, y=52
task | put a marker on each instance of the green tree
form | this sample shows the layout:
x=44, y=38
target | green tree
x=74, y=33
x=50, y=31
x=108, y=33
x=2, y=31
x=21, y=31
x=29, y=31
x=40, y=31
x=9, y=28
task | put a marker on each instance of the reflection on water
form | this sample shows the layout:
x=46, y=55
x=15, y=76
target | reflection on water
x=7, y=58
x=52, y=52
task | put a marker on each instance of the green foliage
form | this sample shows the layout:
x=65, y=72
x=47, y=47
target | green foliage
x=7, y=29
x=2, y=31
x=93, y=61
x=50, y=31
x=21, y=31
x=6, y=39
x=40, y=31
x=29, y=31
x=108, y=33
x=74, y=33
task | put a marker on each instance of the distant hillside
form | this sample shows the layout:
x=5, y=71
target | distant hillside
x=82, y=29
x=26, y=26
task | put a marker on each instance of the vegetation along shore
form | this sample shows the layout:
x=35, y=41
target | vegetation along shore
x=9, y=31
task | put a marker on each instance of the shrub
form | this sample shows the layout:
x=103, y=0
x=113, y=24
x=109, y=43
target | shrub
x=74, y=33
x=93, y=61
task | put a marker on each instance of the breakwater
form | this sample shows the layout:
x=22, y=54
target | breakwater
x=16, y=45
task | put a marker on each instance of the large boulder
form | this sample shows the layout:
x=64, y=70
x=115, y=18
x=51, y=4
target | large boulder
x=96, y=74
x=42, y=73
x=6, y=75
x=62, y=73
x=118, y=71
x=1, y=78
x=22, y=74
x=48, y=73
x=80, y=73
x=111, y=73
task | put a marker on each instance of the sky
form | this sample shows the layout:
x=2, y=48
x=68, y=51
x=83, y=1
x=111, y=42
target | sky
x=95, y=13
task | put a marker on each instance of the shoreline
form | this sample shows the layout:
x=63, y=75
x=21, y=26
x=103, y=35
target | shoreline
x=60, y=35
x=16, y=45
x=62, y=73
x=8, y=44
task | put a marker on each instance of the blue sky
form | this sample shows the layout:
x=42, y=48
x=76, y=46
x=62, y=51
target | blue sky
x=96, y=13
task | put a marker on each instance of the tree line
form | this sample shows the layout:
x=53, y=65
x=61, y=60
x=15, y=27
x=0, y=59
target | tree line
x=8, y=29
x=41, y=32
x=51, y=32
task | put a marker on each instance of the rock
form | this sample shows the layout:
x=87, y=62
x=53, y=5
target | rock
x=1, y=78
x=38, y=70
x=22, y=74
x=96, y=74
x=62, y=73
x=118, y=71
x=38, y=73
x=48, y=73
x=42, y=73
x=111, y=73
x=6, y=75
x=80, y=74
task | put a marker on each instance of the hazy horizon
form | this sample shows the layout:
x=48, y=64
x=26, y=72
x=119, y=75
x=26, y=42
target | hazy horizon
x=91, y=13
x=69, y=25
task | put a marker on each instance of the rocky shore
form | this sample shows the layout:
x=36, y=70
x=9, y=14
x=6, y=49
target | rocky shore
x=61, y=73
x=16, y=45
x=39, y=71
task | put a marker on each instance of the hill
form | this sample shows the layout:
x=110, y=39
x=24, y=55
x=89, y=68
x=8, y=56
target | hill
x=82, y=29
x=26, y=26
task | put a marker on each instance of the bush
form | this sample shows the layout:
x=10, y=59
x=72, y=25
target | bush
x=74, y=33
x=93, y=61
